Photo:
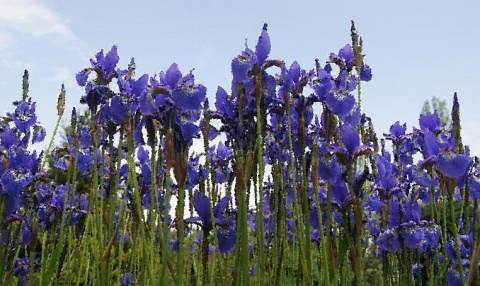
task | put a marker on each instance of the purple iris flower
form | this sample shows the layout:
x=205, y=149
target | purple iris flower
x=322, y=84
x=103, y=64
x=132, y=91
x=171, y=77
x=388, y=241
x=431, y=122
x=128, y=279
x=453, y=278
x=95, y=96
x=39, y=134
x=449, y=163
x=345, y=55
x=365, y=73
x=341, y=101
x=13, y=182
x=351, y=145
x=397, y=133
x=189, y=97
x=24, y=116
x=22, y=266
x=453, y=165
x=226, y=234
x=242, y=64
x=474, y=188
x=412, y=234
x=246, y=60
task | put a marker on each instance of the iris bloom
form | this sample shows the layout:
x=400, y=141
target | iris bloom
x=225, y=226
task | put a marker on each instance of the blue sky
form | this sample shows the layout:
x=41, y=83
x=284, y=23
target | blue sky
x=417, y=49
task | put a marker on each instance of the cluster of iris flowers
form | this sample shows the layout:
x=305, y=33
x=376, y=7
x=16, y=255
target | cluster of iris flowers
x=295, y=164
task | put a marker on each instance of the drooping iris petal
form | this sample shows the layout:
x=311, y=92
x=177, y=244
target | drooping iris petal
x=329, y=169
x=375, y=204
x=353, y=117
x=424, y=179
x=13, y=182
x=352, y=83
x=95, y=97
x=8, y=138
x=431, y=236
x=474, y=188
x=388, y=241
x=412, y=235
x=453, y=165
x=262, y=50
x=366, y=73
x=324, y=85
x=350, y=138
x=453, y=278
x=340, y=105
x=226, y=239
x=39, y=134
x=224, y=153
x=189, y=131
x=189, y=97
x=224, y=105
x=82, y=77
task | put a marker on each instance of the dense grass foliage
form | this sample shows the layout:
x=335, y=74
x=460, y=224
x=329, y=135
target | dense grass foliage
x=282, y=181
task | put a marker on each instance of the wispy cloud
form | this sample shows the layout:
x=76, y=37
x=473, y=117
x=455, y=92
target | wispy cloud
x=31, y=18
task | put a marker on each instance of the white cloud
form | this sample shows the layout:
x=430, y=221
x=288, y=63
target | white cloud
x=31, y=17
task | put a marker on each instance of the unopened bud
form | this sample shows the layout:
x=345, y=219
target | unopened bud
x=61, y=101
x=25, y=85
